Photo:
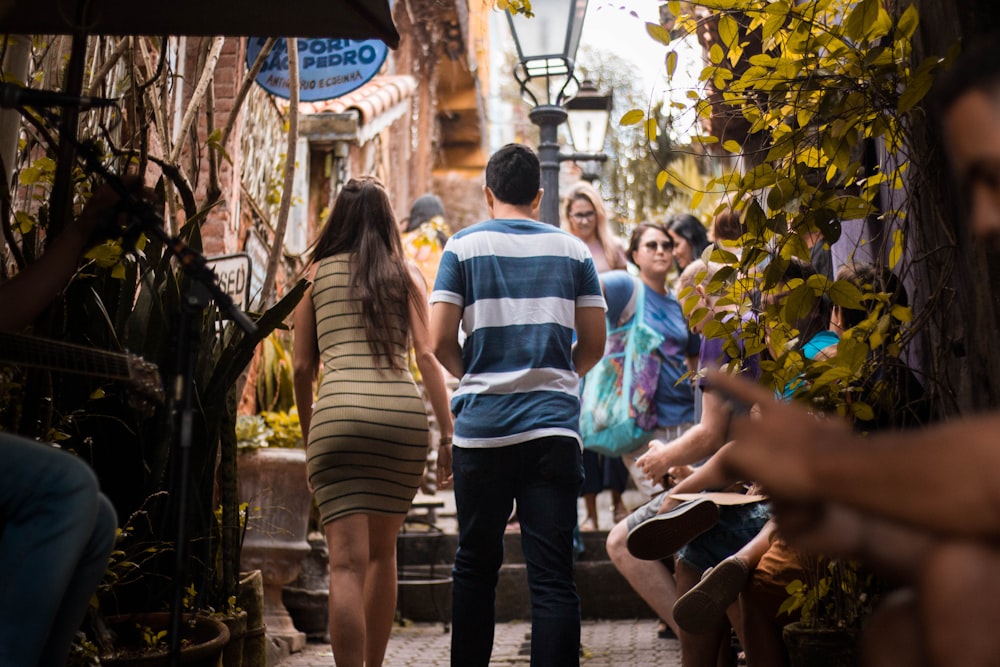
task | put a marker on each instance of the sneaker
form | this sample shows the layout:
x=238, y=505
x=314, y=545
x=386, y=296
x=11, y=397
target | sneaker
x=663, y=534
x=703, y=607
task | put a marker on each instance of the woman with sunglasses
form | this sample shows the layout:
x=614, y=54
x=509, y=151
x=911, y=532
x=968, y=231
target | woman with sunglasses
x=650, y=250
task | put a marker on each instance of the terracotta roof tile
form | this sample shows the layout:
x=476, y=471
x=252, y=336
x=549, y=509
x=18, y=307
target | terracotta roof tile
x=372, y=99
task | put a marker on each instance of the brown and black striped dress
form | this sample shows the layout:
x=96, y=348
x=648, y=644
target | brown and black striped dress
x=368, y=437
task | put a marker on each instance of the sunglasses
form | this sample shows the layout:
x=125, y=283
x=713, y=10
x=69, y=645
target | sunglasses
x=665, y=246
x=583, y=216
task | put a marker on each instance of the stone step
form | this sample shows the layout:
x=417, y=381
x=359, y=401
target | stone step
x=425, y=560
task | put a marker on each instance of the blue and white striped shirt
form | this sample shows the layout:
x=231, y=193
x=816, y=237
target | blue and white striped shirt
x=519, y=283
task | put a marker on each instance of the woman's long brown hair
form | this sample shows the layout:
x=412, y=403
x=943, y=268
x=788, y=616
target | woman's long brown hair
x=362, y=224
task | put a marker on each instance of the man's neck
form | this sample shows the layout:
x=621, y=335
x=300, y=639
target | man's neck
x=503, y=210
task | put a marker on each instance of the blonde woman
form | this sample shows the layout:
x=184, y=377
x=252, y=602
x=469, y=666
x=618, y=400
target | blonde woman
x=587, y=219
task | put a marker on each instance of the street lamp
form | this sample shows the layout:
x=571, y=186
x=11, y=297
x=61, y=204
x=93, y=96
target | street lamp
x=546, y=48
x=589, y=113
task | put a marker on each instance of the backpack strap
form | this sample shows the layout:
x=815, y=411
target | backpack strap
x=629, y=310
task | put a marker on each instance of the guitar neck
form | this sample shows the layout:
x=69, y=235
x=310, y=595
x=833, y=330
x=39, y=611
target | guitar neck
x=54, y=355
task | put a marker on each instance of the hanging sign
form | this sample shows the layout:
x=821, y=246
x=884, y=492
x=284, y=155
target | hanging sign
x=328, y=68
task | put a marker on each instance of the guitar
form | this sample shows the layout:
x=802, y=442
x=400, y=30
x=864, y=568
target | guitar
x=140, y=375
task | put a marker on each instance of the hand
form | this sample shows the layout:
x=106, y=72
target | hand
x=678, y=474
x=655, y=462
x=820, y=528
x=780, y=448
x=445, y=475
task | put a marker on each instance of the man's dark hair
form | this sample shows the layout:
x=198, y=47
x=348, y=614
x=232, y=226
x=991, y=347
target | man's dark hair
x=977, y=67
x=513, y=174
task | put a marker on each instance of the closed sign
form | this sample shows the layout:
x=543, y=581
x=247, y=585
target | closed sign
x=233, y=272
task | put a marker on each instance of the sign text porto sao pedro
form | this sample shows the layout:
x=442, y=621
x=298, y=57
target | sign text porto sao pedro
x=328, y=68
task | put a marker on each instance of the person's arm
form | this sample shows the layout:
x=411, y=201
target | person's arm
x=941, y=479
x=893, y=549
x=25, y=296
x=305, y=357
x=696, y=444
x=432, y=374
x=590, y=338
x=445, y=319
x=710, y=476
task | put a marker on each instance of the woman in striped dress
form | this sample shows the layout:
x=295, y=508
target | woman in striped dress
x=367, y=432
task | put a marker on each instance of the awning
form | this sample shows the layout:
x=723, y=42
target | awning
x=346, y=19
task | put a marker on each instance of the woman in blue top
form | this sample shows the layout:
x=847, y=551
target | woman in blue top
x=650, y=250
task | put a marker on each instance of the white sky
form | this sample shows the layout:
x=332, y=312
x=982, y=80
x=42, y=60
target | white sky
x=620, y=27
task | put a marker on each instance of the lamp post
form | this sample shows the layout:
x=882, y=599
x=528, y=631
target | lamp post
x=546, y=48
x=589, y=113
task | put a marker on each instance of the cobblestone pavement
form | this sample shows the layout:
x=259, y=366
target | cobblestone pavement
x=631, y=643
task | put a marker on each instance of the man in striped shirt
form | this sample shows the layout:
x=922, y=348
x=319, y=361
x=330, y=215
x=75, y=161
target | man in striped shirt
x=519, y=289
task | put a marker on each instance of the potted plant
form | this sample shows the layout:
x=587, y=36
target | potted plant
x=832, y=602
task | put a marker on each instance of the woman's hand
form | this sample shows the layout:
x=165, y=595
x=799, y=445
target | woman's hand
x=444, y=473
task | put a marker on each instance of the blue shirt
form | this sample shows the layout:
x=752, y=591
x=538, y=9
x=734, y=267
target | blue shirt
x=674, y=399
x=519, y=283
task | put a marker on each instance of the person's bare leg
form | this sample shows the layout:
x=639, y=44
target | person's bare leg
x=590, y=503
x=958, y=602
x=714, y=596
x=760, y=600
x=892, y=636
x=347, y=542
x=380, y=585
x=618, y=509
x=649, y=578
x=699, y=650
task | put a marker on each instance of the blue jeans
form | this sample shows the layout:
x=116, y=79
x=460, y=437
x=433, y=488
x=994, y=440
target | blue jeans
x=56, y=533
x=544, y=477
x=737, y=525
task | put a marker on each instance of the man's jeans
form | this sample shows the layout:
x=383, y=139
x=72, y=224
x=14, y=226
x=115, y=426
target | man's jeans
x=56, y=533
x=544, y=476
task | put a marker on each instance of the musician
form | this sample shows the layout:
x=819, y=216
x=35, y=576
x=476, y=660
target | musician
x=56, y=528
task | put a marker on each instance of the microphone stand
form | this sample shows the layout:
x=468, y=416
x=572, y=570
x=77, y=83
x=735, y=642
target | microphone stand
x=204, y=286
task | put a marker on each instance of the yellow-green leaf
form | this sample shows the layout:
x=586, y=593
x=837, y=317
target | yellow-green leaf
x=671, y=63
x=774, y=22
x=657, y=32
x=846, y=295
x=728, y=30
x=861, y=19
x=716, y=54
x=696, y=199
x=902, y=313
x=651, y=129
x=919, y=86
x=25, y=222
x=907, y=24
x=732, y=146
x=661, y=179
x=29, y=175
x=632, y=117
x=798, y=303
x=896, y=252
x=862, y=411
